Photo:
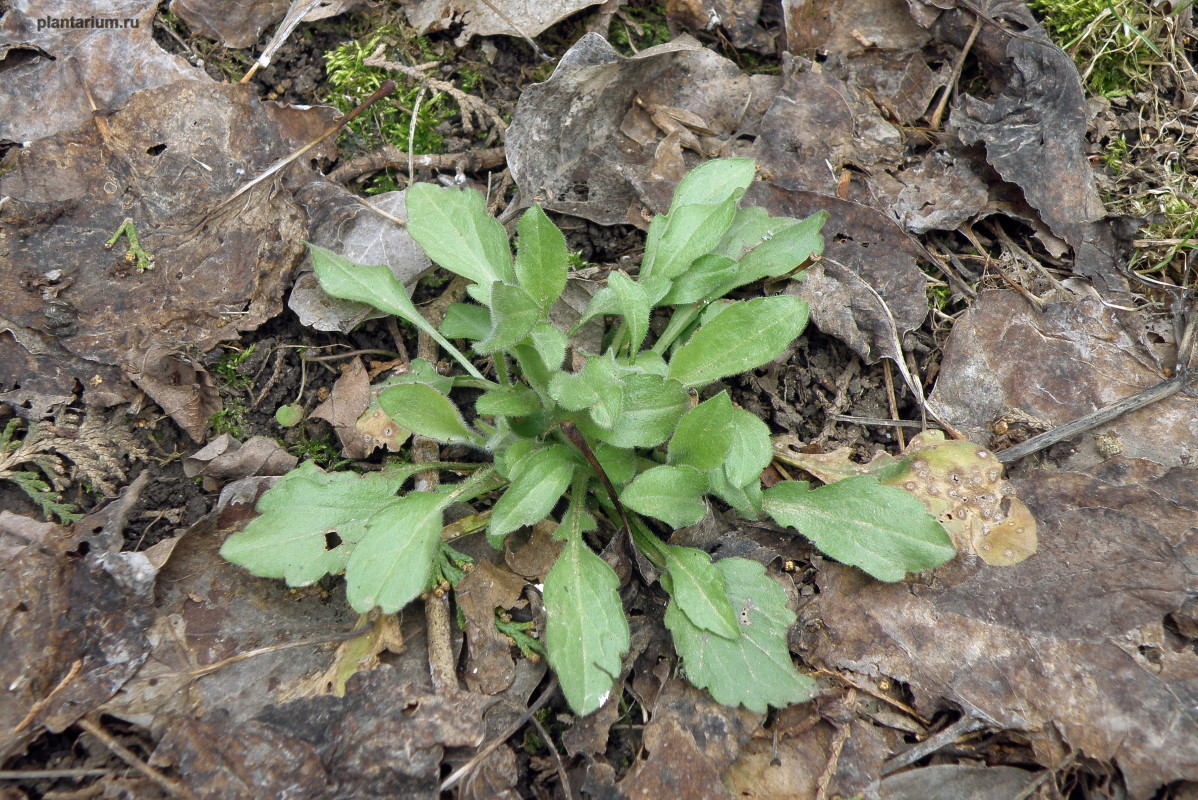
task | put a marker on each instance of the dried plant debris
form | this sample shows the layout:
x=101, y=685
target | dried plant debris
x=1007, y=361
x=1067, y=648
x=74, y=625
x=49, y=457
x=43, y=68
x=211, y=277
x=960, y=483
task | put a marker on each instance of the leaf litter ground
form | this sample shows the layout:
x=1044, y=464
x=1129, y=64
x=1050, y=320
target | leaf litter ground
x=1076, y=667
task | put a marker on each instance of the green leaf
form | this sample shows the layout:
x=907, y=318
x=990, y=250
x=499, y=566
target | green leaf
x=652, y=407
x=689, y=232
x=291, y=538
x=425, y=411
x=466, y=321
x=541, y=257
x=538, y=481
x=781, y=251
x=858, y=521
x=756, y=669
x=513, y=313
x=750, y=451
x=393, y=562
x=745, y=499
x=586, y=631
x=634, y=306
x=714, y=181
x=698, y=588
x=376, y=286
x=705, y=280
x=514, y=401
x=550, y=344
x=289, y=415
x=743, y=336
x=455, y=230
x=597, y=387
x=750, y=226
x=704, y=434
x=670, y=493
x=618, y=462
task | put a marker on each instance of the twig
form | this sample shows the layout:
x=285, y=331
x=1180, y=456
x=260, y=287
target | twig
x=876, y=422
x=471, y=106
x=412, y=133
x=562, y=776
x=958, y=730
x=169, y=785
x=370, y=351
x=52, y=774
x=37, y=707
x=387, y=88
x=958, y=65
x=1152, y=394
x=489, y=748
x=391, y=157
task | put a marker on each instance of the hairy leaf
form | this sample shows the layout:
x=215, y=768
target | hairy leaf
x=750, y=451
x=425, y=411
x=858, y=521
x=538, y=481
x=585, y=628
x=704, y=434
x=455, y=230
x=743, y=336
x=541, y=257
x=376, y=286
x=781, y=251
x=308, y=523
x=652, y=407
x=689, y=232
x=393, y=562
x=704, y=280
x=513, y=401
x=754, y=670
x=466, y=321
x=597, y=387
x=550, y=344
x=673, y=494
x=698, y=589
x=714, y=181
x=634, y=306
x=513, y=313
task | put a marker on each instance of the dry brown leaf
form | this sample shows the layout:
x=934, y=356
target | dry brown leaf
x=225, y=457
x=490, y=668
x=163, y=160
x=1070, y=645
x=44, y=72
x=1055, y=365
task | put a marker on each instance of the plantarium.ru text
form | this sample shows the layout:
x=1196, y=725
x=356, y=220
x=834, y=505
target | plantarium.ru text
x=616, y=436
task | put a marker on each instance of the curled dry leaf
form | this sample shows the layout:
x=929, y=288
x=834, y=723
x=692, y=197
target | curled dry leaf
x=225, y=457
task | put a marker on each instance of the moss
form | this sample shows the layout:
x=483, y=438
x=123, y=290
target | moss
x=1109, y=40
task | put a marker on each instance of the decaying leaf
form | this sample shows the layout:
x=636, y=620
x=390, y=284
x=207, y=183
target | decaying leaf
x=514, y=17
x=211, y=277
x=1004, y=357
x=225, y=457
x=353, y=411
x=1068, y=646
x=960, y=483
x=44, y=70
x=74, y=628
x=487, y=588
